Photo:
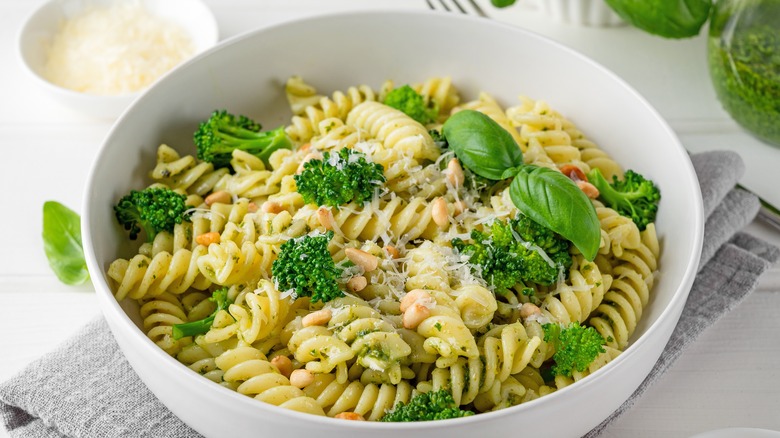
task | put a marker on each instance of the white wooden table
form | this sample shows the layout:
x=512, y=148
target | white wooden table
x=729, y=378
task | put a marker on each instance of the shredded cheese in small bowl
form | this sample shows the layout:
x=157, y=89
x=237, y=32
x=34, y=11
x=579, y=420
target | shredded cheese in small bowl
x=97, y=56
x=117, y=49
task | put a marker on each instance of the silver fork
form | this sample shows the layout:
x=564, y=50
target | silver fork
x=468, y=7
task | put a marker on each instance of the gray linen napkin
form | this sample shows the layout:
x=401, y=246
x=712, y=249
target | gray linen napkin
x=86, y=388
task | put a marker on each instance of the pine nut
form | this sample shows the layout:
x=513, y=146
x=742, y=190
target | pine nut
x=354, y=416
x=271, y=207
x=252, y=207
x=207, y=239
x=320, y=317
x=325, y=217
x=301, y=378
x=392, y=251
x=413, y=296
x=528, y=309
x=415, y=314
x=220, y=196
x=589, y=189
x=459, y=207
x=439, y=212
x=357, y=283
x=316, y=155
x=455, y=173
x=367, y=261
x=573, y=172
x=283, y=364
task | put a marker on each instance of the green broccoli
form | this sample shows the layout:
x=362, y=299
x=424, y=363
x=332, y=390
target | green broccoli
x=438, y=138
x=511, y=252
x=305, y=266
x=412, y=104
x=634, y=196
x=576, y=346
x=339, y=178
x=153, y=210
x=222, y=133
x=201, y=326
x=434, y=405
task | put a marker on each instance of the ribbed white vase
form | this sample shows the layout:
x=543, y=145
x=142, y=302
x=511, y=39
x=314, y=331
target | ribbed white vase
x=581, y=12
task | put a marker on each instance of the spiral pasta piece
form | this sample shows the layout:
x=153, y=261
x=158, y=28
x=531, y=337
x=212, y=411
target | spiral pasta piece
x=617, y=317
x=143, y=277
x=392, y=220
x=542, y=127
x=247, y=370
x=575, y=300
x=228, y=263
x=375, y=343
x=159, y=316
x=441, y=91
x=320, y=351
x=185, y=173
x=305, y=124
x=370, y=400
x=394, y=129
x=446, y=335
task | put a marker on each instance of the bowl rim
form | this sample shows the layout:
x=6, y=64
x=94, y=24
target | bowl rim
x=671, y=310
x=212, y=29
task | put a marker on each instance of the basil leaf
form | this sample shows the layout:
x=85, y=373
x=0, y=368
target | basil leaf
x=62, y=243
x=551, y=199
x=481, y=144
x=665, y=18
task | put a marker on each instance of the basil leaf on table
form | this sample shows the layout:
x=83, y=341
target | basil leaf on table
x=481, y=144
x=62, y=243
x=553, y=200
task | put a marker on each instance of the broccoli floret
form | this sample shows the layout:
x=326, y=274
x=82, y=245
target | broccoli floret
x=339, y=178
x=434, y=405
x=412, y=104
x=634, y=196
x=153, y=210
x=222, y=133
x=438, y=138
x=305, y=266
x=201, y=326
x=511, y=252
x=576, y=346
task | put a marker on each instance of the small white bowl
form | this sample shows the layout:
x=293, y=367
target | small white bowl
x=40, y=28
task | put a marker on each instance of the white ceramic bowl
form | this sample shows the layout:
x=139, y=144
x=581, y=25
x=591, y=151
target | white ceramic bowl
x=334, y=52
x=42, y=25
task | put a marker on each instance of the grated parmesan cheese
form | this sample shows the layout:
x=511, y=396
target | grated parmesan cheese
x=115, y=50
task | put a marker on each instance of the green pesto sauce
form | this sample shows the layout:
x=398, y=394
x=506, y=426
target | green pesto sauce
x=745, y=71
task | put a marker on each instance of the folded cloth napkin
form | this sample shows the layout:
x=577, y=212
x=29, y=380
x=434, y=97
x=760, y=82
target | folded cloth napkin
x=86, y=388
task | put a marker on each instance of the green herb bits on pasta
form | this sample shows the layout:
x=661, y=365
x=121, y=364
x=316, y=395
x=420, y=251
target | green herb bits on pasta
x=382, y=265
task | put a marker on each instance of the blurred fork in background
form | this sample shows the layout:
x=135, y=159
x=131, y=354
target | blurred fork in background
x=468, y=7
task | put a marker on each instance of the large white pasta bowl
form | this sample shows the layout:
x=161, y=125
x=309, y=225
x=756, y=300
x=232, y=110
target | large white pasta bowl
x=247, y=75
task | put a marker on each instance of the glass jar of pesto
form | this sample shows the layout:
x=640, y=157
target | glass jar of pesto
x=744, y=62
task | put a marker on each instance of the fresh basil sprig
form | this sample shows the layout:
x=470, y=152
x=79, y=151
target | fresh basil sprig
x=550, y=198
x=482, y=145
x=62, y=243
x=546, y=196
